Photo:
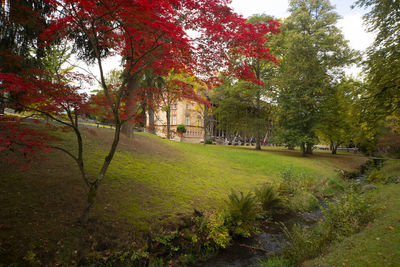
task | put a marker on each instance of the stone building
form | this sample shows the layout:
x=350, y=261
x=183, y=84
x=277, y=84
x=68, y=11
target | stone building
x=184, y=112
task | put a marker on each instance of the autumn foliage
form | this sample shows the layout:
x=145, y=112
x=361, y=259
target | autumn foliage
x=146, y=34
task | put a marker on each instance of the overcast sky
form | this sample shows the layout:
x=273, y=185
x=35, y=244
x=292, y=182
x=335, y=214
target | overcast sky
x=351, y=22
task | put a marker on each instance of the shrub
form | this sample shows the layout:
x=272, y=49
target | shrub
x=303, y=201
x=329, y=187
x=242, y=212
x=181, y=129
x=301, y=243
x=343, y=216
x=348, y=213
x=209, y=141
x=375, y=177
x=212, y=227
x=268, y=198
x=293, y=181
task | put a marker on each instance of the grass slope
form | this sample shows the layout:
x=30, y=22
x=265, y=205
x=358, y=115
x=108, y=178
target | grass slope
x=379, y=243
x=150, y=182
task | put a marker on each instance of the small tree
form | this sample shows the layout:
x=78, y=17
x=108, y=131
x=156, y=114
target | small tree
x=147, y=35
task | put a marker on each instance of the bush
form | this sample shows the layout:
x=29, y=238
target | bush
x=209, y=141
x=268, y=198
x=375, y=177
x=301, y=243
x=345, y=215
x=293, y=181
x=181, y=129
x=303, y=201
x=212, y=227
x=298, y=190
x=242, y=213
x=348, y=213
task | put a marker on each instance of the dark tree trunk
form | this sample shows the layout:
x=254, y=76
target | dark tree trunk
x=144, y=110
x=95, y=185
x=290, y=147
x=258, y=110
x=258, y=142
x=1, y=105
x=334, y=148
x=168, y=114
x=131, y=98
x=151, y=128
x=303, y=148
x=206, y=123
x=309, y=148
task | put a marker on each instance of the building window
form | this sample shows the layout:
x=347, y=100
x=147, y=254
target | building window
x=174, y=120
x=187, y=120
x=173, y=105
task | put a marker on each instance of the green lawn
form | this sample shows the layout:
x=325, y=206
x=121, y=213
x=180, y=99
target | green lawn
x=151, y=182
x=379, y=243
x=197, y=176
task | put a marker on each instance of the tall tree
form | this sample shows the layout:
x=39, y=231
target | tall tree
x=382, y=64
x=240, y=110
x=314, y=51
x=21, y=23
x=243, y=106
x=338, y=124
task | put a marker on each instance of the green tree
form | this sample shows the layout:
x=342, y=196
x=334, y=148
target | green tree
x=338, y=124
x=383, y=64
x=240, y=109
x=243, y=107
x=313, y=54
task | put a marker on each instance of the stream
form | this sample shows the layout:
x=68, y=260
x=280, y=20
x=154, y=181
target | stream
x=270, y=240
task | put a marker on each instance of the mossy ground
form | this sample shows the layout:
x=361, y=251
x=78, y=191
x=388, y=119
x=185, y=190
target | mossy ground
x=151, y=182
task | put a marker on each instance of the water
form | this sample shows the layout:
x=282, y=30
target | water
x=271, y=239
x=268, y=242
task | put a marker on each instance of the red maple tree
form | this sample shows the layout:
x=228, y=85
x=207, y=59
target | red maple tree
x=147, y=34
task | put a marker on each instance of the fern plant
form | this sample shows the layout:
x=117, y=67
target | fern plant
x=242, y=212
x=268, y=198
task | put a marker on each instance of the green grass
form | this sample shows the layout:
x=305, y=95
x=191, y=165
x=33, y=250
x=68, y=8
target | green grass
x=151, y=182
x=379, y=243
x=201, y=177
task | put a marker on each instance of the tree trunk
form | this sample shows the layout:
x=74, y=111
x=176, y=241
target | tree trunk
x=290, y=147
x=95, y=185
x=258, y=142
x=151, y=128
x=131, y=98
x=1, y=104
x=309, y=148
x=334, y=148
x=168, y=114
x=303, y=148
x=144, y=110
x=90, y=201
x=206, y=122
